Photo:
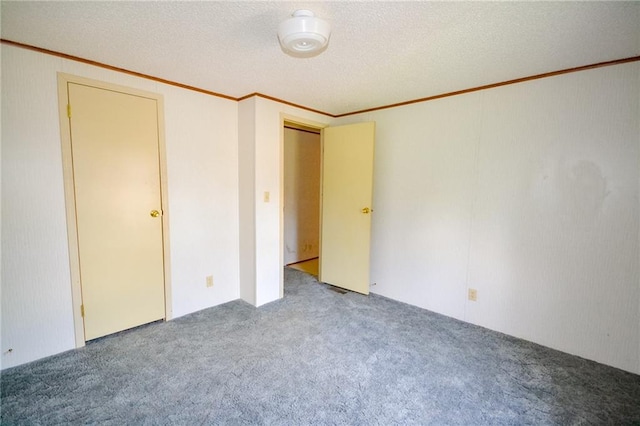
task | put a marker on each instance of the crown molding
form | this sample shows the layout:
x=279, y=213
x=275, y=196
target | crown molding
x=346, y=114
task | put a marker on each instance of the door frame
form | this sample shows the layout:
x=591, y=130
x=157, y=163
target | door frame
x=70, y=201
x=306, y=123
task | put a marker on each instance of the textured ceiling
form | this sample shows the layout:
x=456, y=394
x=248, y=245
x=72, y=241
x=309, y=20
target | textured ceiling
x=380, y=53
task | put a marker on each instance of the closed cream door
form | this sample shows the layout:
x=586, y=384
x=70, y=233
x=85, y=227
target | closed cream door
x=114, y=142
x=347, y=184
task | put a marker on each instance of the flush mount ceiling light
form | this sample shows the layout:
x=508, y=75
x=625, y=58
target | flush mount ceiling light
x=304, y=35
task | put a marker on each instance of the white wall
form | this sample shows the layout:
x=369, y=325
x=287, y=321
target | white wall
x=202, y=159
x=301, y=195
x=36, y=311
x=247, y=202
x=202, y=163
x=528, y=193
x=1, y=208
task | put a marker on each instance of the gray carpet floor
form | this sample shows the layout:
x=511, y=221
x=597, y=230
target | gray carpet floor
x=316, y=357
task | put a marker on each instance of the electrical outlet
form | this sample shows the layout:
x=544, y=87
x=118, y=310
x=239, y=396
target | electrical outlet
x=266, y=196
x=473, y=294
x=210, y=281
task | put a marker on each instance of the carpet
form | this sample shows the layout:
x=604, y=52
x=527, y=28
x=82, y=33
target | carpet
x=316, y=357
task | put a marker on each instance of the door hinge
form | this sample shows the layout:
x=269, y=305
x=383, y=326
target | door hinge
x=82, y=310
x=69, y=110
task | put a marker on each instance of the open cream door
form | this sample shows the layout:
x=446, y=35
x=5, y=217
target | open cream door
x=347, y=186
x=116, y=175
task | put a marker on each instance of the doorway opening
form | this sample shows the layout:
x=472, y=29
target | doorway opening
x=301, y=189
x=343, y=185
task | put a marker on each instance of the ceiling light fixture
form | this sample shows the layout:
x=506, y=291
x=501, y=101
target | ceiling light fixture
x=304, y=35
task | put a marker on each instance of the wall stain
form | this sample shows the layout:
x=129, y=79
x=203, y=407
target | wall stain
x=571, y=193
x=583, y=191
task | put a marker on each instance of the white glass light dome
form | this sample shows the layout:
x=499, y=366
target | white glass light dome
x=303, y=34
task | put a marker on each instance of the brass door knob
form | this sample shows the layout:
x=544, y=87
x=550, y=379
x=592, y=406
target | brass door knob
x=154, y=213
x=366, y=210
